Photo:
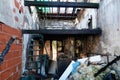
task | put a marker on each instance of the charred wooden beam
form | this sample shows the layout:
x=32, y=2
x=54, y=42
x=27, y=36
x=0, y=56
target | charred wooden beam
x=55, y=14
x=64, y=32
x=61, y=4
x=73, y=12
x=59, y=16
x=66, y=10
x=58, y=7
x=106, y=66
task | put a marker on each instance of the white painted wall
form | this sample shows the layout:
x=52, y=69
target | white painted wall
x=83, y=24
x=16, y=15
x=109, y=21
x=12, y=13
x=24, y=47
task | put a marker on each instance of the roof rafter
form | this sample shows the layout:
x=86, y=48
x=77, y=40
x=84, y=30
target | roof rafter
x=62, y=4
x=63, y=32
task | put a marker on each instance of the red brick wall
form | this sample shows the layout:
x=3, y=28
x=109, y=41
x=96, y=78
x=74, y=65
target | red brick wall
x=10, y=69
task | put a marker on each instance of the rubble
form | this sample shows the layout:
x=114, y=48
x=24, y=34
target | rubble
x=80, y=70
x=85, y=72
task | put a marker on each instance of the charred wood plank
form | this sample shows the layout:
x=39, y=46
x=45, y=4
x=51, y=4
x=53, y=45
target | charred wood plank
x=62, y=4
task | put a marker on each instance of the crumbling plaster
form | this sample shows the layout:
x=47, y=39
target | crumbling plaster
x=109, y=22
x=83, y=22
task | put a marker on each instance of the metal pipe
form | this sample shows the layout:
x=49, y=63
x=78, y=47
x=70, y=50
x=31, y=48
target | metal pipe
x=5, y=51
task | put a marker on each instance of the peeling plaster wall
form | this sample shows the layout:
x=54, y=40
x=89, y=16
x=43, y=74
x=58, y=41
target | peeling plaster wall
x=24, y=47
x=107, y=17
x=109, y=22
x=83, y=24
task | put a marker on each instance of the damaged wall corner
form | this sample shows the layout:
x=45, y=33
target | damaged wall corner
x=108, y=21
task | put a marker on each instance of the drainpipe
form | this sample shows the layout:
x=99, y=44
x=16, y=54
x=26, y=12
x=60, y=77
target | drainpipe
x=5, y=51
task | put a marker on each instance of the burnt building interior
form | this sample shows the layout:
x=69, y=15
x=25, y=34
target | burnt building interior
x=60, y=45
x=56, y=48
x=63, y=31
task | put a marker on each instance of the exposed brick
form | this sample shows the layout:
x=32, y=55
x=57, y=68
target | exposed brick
x=5, y=74
x=14, y=47
x=10, y=30
x=19, y=53
x=19, y=66
x=8, y=56
x=20, y=41
x=19, y=74
x=3, y=66
x=16, y=76
x=10, y=63
x=14, y=69
x=10, y=69
x=3, y=38
x=0, y=76
x=16, y=54
x=0, y=26
x=19, y=46
x=2, y=47
x=10, y=78
x=17, y=61
x=7, y=29
x=19, y=33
